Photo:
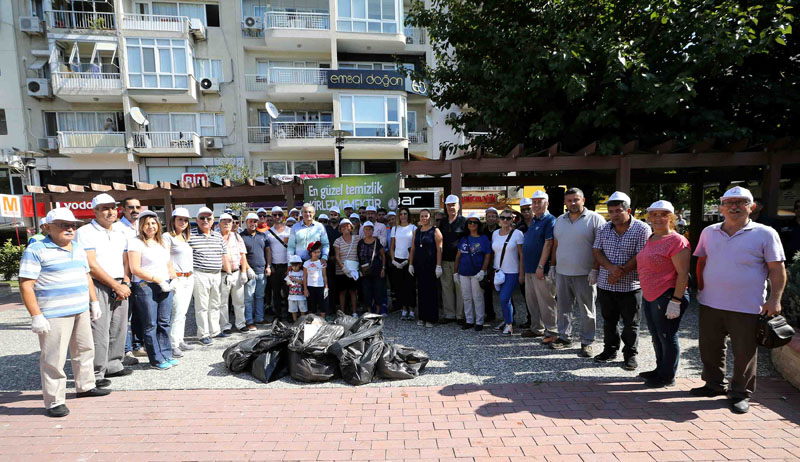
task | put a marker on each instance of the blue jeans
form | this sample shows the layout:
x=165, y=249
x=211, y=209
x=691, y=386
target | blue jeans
x=664, y=333
x=506, y=290
x=153, y=308
x=254, y=298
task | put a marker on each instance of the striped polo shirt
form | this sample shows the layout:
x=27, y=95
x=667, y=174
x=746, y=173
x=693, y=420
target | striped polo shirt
x=61, y=287
x=207, y=250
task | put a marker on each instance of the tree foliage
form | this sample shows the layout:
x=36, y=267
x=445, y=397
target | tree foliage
x=236, y=170
x=577, y=71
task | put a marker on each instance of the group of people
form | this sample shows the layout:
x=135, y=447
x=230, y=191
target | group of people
x=83, y=287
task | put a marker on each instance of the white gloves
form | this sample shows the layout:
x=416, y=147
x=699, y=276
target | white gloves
x=551, y=275
x=438, y=271
x=173, y=284
x=229, y=280
x=325, y=293
x=243, y=276
x=403, y=265
x=397, y=264
x=481, y=274
x=411, y=269
x=673, y=309
x=354, y=275
x=95, y=312
x=40, y=325
x=457, y=279
x=164, y=286
x=250, y=274
x=593, y=277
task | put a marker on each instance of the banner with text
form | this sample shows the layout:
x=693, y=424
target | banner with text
x=376, y=190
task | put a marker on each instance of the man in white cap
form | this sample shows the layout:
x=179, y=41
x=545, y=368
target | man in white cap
x=347, y=209
x=453, y=226
x=540, y=292
x=58, y=293
x=277, y=265
x=210, y=255
x=619, y=291
x=334, y=215
x=258, y=255
x=294, y=213
x=736, y=258
x=106, y=252
x=263, y=216
x=237, y=257
x=379, y=228
x=574, y=269
x=41, y=234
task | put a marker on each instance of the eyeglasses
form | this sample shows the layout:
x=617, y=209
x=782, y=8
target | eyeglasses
x=66, y=225
x=504, y=217
x=262, y=214
x=525, y=209
x=133, y=207
x=205, y=218
x=742, y=203
x=276, y=215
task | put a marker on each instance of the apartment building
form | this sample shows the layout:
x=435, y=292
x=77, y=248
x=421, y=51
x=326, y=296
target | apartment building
x=129, y=90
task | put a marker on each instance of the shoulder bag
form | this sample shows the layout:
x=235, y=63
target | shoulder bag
x=366, y=268
x=499, y=276
x=773, y=332
x=278, y=238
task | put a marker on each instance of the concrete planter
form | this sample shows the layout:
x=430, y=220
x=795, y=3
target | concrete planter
x=787, y=360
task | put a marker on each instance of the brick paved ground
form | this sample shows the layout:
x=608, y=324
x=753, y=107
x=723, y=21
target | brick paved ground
x=557, y=421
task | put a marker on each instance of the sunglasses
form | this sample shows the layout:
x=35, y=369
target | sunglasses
x=133, y=207
x=66, y=225
x=505, y=217
x=205, y=218
x=276, y=215
x=262, y=214
x=525, y=209
x=473, y=222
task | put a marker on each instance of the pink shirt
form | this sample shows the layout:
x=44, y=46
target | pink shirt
x=236, y=248
x=654, y=263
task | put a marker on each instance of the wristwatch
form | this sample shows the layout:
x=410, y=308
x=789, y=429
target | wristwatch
x=540, y=266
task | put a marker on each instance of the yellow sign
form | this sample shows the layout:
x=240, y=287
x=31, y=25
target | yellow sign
x=10, y=206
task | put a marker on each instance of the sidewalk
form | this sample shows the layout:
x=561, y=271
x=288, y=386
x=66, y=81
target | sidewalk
x=556, y=421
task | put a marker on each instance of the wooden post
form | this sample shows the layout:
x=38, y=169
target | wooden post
x=697, y=202
x=624, y=174
x=455, y=178
x=770, y=189
x=289, y=191
x=167, y=205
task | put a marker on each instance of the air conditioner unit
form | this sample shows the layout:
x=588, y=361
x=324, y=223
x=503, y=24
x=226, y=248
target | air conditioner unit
x=39, y=88
x=31, y=25
x=212, y=142
x=197, y=29
x=48, y=144
x=253, y=22
x=208, y=85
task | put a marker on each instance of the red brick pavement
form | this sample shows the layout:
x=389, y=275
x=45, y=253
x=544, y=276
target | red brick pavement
x=572, y=421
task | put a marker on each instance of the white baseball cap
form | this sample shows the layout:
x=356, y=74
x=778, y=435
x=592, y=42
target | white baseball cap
x=61, y=214
x=355, y=216
x=539, y=194
x=334, y=209
x=261, y=210
x=345, y=221
x=391, y=214
x=276, y=209
x=292, y=219
x=205, y=211
x=368, y=223
x=619, y=196
x=147, y=213
x=102, y=199
x=322, y=216
x=525, y=202
x=251, y=216
x=347, y=205
x=661, y=205
x=181, y=212
x=371, y=208
x=451, y=199
x=225, y=216
x=491, y=209
x=473, y=215
x=295, y=259
x=294, y=210
x=42, y=221
x=737, y=192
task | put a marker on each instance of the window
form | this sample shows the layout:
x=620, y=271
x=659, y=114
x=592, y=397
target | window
x=380, y=166
x=412, y=122
x=351, y=167
x=204, y=123
x=208, y=69
x=158, y=63
x=212, y=15
x=275, y=168
x=3, y=124
x=369, y=66
x=82, y=122
x=373, y=116
x=375, y=16
x=212, y=124
x=298, y=167
x=207, y=13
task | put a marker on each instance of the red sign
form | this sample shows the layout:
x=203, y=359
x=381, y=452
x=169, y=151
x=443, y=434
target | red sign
x=27, y=207
x=82, y=209
x=194, y=178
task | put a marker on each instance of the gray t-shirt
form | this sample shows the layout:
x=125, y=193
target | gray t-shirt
x=575, y=239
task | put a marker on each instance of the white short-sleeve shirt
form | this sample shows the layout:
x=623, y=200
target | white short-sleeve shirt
x=280, y=255
x=402, y=236
x=511, y=260
x=155, y=258
x=181, y=253
x=109, y=246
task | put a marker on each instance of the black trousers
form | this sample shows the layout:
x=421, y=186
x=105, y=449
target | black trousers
x=280, y=291
x=616, y=306
x=317, y=303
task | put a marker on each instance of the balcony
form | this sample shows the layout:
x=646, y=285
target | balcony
x=87, y=87
x=85, y=143
x=82, y=21
x=297, y=21
x=415, y=39
x=167, y=144
x=285, y=31
x=418, y=137
x=258, y=135
x=288, y=84
x=155, y=23
x=301, y=135
x=163, y=88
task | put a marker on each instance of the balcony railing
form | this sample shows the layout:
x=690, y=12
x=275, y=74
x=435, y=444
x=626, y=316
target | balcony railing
x=285, y=76
x=165, y=140
x=87, y=81
x=81, y=20
x=258, y=135
x=155, y=22
x=300, y=130
x=90, y=140
x=414, y=36
x=310, y=21
x=417, y=137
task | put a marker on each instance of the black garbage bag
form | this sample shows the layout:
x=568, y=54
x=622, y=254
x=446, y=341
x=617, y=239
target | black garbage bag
x=345, y=321
x=308, y=357
x=239, y=356
x=400, y=362
x=271, y=365
x=358, y=354
x=312, y=368
x=367, y=321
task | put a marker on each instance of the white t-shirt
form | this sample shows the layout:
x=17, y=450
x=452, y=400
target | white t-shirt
x=180, y=253
x=280, y=256
x=314, y=270
x=511, y=260
x=402, y=236
x=155, y=258
x=109, y=245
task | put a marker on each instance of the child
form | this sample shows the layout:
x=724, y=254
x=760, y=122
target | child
x=315, y=281
x=294, y=279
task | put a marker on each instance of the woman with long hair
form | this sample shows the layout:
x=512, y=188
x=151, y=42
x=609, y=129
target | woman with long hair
x=426, y=265
x=400, y=251
x=181, y=256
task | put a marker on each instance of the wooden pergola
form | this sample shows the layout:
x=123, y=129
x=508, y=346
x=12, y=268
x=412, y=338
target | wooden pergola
x=169, y=195
x=552, y=166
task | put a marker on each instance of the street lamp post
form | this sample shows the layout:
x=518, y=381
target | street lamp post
x=339, y=143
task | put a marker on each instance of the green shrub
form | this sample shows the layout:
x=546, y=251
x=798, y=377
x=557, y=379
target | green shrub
x=791, y=295
x=10, y=255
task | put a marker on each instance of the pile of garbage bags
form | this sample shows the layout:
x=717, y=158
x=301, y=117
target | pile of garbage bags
x=314, y=350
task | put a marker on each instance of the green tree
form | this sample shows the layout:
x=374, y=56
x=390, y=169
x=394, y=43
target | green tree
x=236, y=170
x=576, y=71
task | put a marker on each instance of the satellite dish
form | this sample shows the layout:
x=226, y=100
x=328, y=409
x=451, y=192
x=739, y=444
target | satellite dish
x=272, y=110
x=429, y=121
x=138, y=116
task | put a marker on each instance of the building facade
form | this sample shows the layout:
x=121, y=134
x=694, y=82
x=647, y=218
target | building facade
x=128, y=90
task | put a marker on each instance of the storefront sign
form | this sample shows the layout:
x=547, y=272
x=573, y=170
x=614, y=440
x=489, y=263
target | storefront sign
x=419, y=199
x=27, y=207
x=10, y=206
x=81, y=209
x=373, y=80
x=483, y=199
x=194, y=178
x=376, y=190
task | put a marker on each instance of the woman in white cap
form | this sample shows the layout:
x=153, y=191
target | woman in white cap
x=508, y=261
x=346, y=249
x=401, y=242
x=472, y=261
x=177, y=241
x=152, y=270
x=663, y=266
x=426, y=257
x=372, y=262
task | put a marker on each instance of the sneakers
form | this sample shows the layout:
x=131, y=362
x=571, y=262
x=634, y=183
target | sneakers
x=706, y=392
x=500, y=326
x=549, y=339
x=102, y=383
x=177, y=353
x=163, y=365
x=606, y=356
x=404, y=316
x=478, y=328
x=740, y=405
x=508, y=330
x=206, y=341
x=531, y=334
x=140, y=352
x=630, y=363
x=228, y=331
x=173, y=362
x=251, y=328
x=94, y=392
x=420, y=323
x=560, y=344
x=122, y=373
x=466, y=326
x=185, y=346
x=223, y=334
x=429, y=324
x=410, y=316
x=658, y=382
x=58, y=411
x=586, y=351
x=129, y=359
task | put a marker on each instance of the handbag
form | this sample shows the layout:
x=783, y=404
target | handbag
x=773, y=332
x=499, y=276
x=366, y=268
